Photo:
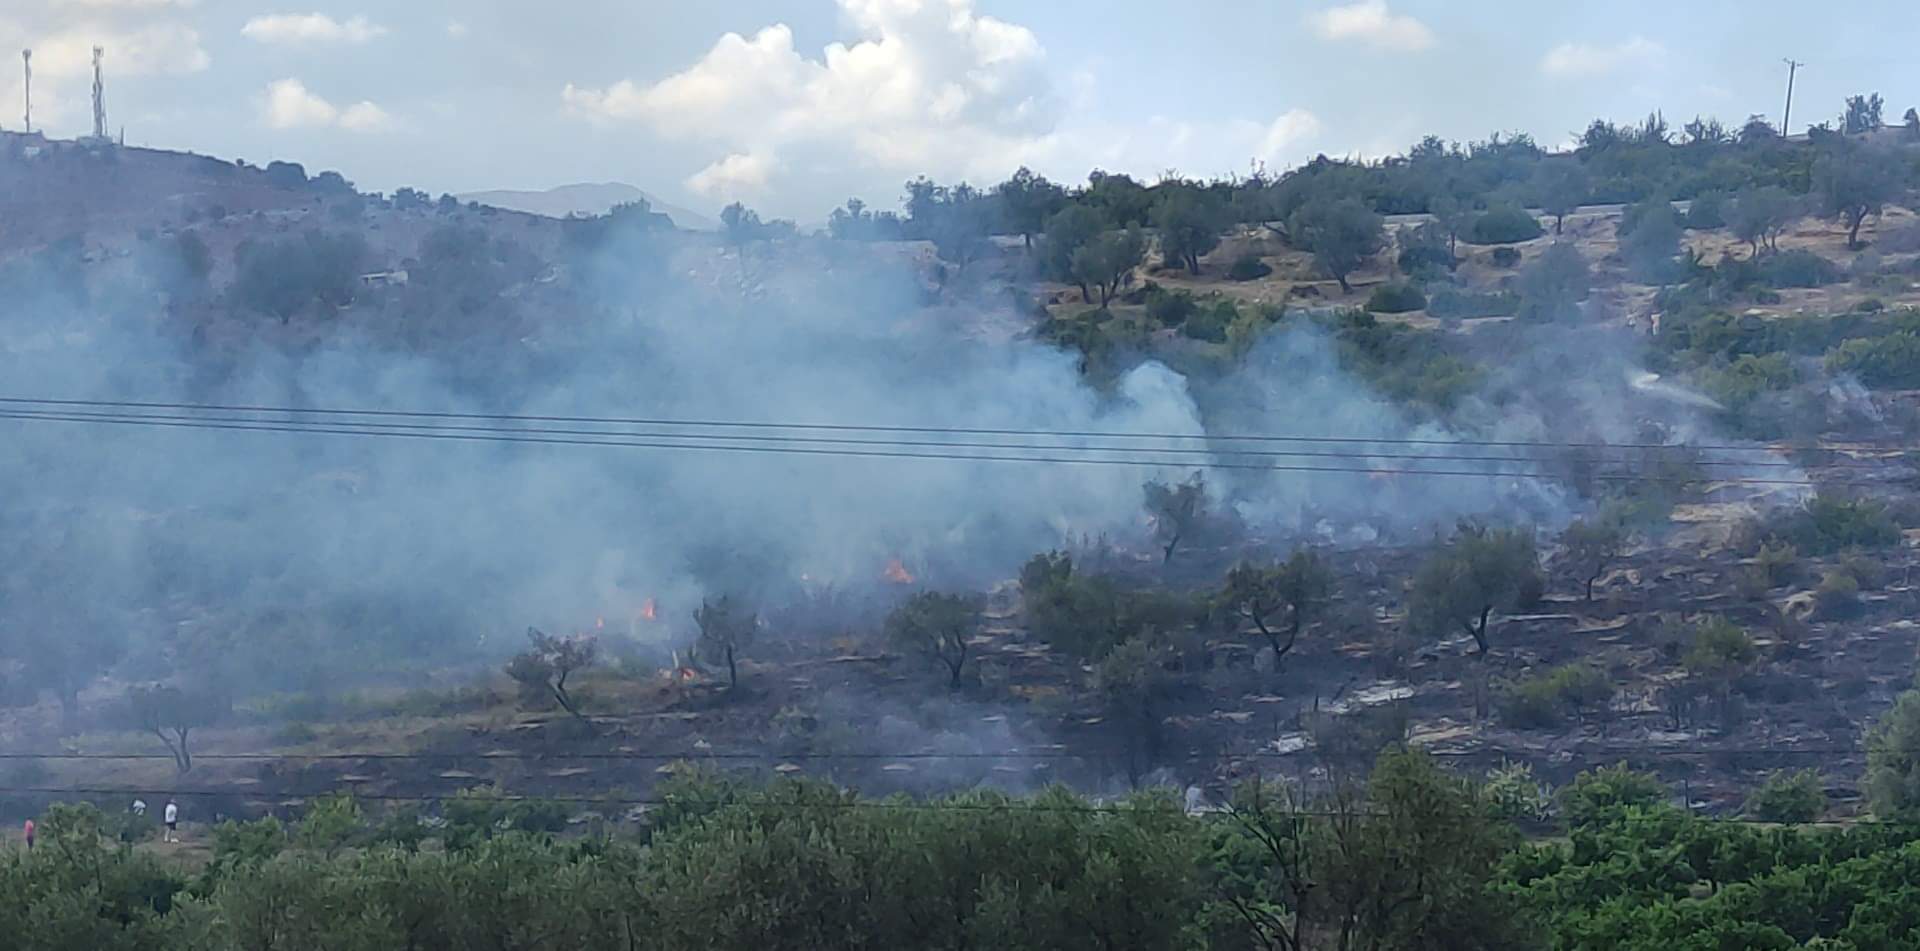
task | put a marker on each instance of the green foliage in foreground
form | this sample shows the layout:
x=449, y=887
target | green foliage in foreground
x=1418, y=858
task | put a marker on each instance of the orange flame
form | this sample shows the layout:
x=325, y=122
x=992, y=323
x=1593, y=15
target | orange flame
x=897, y=573
x=648, y=610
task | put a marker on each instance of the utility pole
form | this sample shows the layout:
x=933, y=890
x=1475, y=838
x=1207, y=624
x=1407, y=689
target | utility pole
x=26, y=59
x=1793, y=68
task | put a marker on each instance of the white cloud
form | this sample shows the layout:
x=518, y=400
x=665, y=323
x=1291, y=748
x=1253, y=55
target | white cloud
x=930, y=86
x=736, y=176
x=1369, y=21
x=456, y=29
x=1573, y=60
x=161, y=49
x=310, y=28
x=365, y=117
x=288, y=104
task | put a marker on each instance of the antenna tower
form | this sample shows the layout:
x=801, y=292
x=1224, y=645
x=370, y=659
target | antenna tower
x=99, y=97
x=26, y=59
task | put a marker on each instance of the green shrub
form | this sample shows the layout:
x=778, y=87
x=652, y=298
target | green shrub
x=1425, y=259
x=1789, y=796
x=1892, y=361
x=1829, y=522
x=1719, y=647
x=1211, y=323
x=1504, y=224
x=1449, y=302
x=1513, y=794
x=1797, y=268
x=1539, y=702
x=1248, y=267
x=1608, y=792
x=1396, y=298
x=1170, y=308
x=1708, y=211
x=1506, y=257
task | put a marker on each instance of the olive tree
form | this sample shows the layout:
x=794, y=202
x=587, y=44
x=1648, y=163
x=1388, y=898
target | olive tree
x=542, y=669
x=1342, y=233
x=172, y=714
x=725, y=630
x=1854, y=183
x=937, y=625
x=1479, y=571
x=1893, y=760
x=1280, y=599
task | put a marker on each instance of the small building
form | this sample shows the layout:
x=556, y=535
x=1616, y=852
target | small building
x=397, y=278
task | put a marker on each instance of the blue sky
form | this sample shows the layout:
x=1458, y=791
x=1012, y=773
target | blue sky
x=792, y=106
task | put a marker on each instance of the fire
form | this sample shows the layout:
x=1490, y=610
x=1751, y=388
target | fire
x=648, y=610
x=897, y=573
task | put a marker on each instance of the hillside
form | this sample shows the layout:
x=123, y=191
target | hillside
x=568, y=200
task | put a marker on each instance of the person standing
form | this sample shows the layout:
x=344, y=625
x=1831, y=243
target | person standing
x=172, y=817
x=28, y=830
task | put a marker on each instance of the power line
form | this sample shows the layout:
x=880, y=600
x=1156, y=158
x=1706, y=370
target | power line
x=939, y=430
x=1208, y=451
x=890, y=454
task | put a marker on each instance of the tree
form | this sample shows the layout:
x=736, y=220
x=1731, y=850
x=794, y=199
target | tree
x=1864, y=114
x=1552, y=287
x=1298, y=587
x=725, y=629
x=960, y=228
x=1342, y=233
x=1854, y=183
x=1592, y=544
x=1757, y=129
x=1132, y=681
x=1911, y=122
x=1893, y=761
x=1027, y=201
x=1175, y=510
x=410, y=199
x=1759, y=217
x=1189, y=223
x=1107, y=262
x=1453, y=217
x=542, y=670
x=1410, y=863
x=1480, y=571
x=1562, y=185
x=1654, y=243
x=1789, y=796
x=172, y=714
x=282, y=278
x=1071, y=229
x=740, y=224
x=935, y=624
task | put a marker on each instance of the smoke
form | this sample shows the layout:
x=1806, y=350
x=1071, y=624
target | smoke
x=360, y=553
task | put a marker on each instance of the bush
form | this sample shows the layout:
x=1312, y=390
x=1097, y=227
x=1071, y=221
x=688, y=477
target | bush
x=1893, y=761
x=1396, y=298
x=1425, y=260
x=1248, y=267
x=1449, y=303
x=1211, y=323
x=1539, y=702
x=1513, y=794
x=1829, y=523
x=1892, y=361
x=1504, y=224
x=1169, y=308
x=1798, y=268
x=1608, y=792
x=1789, y=796
x=1719, y=647
x=1708, y=211
x=1506, y=257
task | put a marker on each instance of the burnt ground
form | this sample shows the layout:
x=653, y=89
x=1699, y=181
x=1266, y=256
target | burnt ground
x=844, y=708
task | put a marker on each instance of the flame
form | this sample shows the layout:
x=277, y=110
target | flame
x=897, y=573
x=648, y=610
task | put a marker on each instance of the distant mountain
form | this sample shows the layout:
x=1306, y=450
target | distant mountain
x=588, y=199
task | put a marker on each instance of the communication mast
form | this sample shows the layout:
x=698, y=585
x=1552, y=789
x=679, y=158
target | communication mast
x=26, y=59
x=99, y=97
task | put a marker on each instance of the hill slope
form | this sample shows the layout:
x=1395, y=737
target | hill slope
x=587, y=199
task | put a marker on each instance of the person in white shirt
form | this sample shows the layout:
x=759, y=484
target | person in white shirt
x=172, y=817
